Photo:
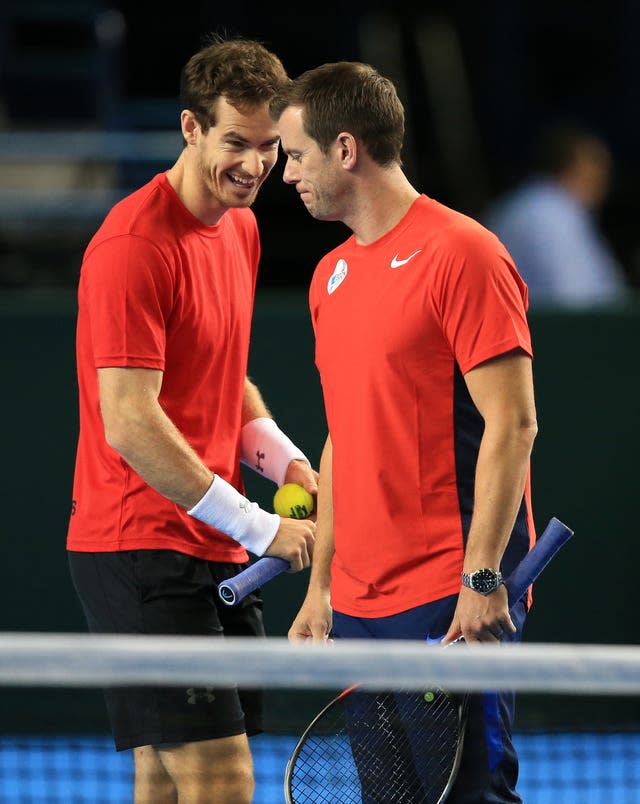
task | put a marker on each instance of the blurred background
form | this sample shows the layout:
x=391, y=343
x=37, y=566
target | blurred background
x=89, y=112
x=479, y=82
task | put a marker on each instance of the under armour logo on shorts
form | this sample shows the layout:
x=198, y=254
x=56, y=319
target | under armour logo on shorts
x=195, y=695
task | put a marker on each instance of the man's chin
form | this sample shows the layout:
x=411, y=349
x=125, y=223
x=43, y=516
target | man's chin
x=233, y=202
x=242, y=198
x=317, y=214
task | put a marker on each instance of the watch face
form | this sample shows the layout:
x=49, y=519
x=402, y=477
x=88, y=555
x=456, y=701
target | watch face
x=484, y=581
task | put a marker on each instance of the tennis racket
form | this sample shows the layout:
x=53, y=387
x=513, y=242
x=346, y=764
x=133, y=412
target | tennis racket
x=234, y=590
x=396, y=747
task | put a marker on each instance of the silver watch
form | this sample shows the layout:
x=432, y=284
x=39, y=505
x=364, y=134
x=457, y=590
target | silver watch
x=484, y=581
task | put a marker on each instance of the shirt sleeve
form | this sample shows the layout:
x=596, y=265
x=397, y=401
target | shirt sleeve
x=128, y=290
x=482, y=302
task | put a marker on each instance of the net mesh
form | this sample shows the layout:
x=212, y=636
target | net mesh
x=577, y=745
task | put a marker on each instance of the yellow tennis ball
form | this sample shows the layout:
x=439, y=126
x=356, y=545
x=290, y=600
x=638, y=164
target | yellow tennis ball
x=293, y=501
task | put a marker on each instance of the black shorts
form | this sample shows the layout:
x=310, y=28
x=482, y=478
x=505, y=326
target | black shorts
x=164, y=592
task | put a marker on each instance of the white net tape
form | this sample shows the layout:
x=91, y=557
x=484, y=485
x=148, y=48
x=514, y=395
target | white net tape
x=89, y=660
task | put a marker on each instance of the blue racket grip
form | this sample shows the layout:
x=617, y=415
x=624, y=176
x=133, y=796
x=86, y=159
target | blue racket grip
x=235, y=589
x=547, y=545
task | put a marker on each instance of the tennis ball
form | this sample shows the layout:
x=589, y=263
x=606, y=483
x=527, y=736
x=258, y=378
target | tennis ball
x=293, y=501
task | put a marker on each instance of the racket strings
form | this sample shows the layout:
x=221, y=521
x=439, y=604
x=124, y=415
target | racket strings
x=384, y=748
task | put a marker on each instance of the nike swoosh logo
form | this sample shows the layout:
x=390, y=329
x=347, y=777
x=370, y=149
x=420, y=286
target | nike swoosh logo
x=396, y=263
x=433, y=640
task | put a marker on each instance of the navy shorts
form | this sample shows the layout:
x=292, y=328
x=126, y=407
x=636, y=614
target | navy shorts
x=163, y=592
x=489, y=765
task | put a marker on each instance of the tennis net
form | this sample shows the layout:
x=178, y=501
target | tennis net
x=577, y=717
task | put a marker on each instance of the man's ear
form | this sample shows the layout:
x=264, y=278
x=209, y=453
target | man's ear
x=348, y=150
x=190, y=126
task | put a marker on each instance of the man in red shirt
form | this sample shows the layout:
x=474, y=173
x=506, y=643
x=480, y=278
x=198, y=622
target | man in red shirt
x=167, y=415
x=424, y=354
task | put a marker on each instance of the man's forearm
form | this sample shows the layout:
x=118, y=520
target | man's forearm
x=323, y=550
x=253, y=405
x=501, y=473
x=154, y=448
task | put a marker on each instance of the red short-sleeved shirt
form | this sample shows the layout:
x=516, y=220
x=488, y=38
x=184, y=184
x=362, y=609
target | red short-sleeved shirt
x=398, y=323
x=160, y=290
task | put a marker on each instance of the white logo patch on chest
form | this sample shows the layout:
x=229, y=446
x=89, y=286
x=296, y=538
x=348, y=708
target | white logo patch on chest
x=338, y=275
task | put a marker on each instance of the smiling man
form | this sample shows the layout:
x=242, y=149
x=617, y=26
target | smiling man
x=167, y=415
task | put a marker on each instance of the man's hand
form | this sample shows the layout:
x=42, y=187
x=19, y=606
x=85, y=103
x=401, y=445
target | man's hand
x=294, y=542
x=480, y=618
x=314, y=619
x=301, y=473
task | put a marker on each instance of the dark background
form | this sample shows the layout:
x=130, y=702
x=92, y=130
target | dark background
x=478, y=81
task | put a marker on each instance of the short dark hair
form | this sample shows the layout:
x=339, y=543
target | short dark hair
x=244, y=71
x=348, y=96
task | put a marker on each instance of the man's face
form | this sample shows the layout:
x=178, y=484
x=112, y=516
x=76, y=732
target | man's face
x=237, y=154
x=315, y=174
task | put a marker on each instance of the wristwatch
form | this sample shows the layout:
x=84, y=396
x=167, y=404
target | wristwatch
x=484, y=581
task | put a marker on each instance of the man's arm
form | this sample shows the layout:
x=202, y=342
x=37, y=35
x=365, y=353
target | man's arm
x=253, y=405
x=266, y=449
x=137, y=427
x=502, y=390
x=314, y=618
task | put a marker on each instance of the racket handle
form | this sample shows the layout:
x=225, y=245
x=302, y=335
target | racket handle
x=233, y=590
x=547, y=545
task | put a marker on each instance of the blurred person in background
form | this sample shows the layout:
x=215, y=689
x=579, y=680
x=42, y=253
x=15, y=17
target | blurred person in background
x=549, y=222
x=168, y=414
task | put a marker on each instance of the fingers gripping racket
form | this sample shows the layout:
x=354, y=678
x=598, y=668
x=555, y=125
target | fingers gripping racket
x=396, y=747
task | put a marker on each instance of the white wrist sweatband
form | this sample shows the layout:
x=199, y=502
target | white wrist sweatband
x=267, y=450
x=224, y=508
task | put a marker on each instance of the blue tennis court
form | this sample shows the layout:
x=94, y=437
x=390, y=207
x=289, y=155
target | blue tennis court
x=556, y=768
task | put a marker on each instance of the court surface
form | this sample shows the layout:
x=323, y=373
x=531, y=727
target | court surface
x=559, y=768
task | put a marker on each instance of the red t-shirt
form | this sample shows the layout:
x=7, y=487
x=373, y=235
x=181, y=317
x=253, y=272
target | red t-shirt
x=398, y=323
x=160, y=290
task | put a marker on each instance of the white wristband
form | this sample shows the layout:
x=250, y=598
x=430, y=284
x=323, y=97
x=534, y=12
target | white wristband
x=224, y=508
x=267, y=450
